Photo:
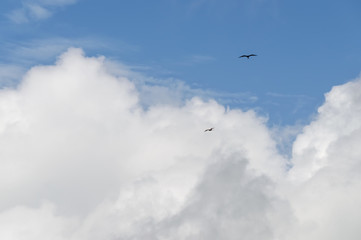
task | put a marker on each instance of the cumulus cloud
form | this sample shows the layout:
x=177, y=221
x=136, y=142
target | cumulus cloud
x=327, y=162
x=36, y=10
x=84, y=157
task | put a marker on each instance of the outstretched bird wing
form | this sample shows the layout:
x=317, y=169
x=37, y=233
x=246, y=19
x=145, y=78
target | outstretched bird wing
x=247, y=56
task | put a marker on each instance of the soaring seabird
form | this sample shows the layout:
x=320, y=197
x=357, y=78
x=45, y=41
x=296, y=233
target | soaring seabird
x=209, y=129
x=247, y=56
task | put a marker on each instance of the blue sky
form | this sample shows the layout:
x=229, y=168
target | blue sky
x=103, y=107
x=304, y=47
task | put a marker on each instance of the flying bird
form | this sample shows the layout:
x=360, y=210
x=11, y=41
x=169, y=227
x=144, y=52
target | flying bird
x=209, y=129
x=247, y=56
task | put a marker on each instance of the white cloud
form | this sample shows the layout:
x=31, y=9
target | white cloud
x=37, y=10
x=337, y=120
x=81, y=158
x=326, y=158
x=22, y=222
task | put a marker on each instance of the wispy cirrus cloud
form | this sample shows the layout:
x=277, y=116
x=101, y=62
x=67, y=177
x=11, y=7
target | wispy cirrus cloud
x=220, y=8
x=46, y=48
x=35, y=10
x=154, y=91
x=197, y=59
x=16, y=57
x=20, y=55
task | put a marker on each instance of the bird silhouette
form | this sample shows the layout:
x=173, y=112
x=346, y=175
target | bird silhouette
x=209, y=129
x=247, y=56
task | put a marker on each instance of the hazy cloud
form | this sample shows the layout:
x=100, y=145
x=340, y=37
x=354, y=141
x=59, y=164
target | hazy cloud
x=10, y=74
x=218, y=8
x=37, y=10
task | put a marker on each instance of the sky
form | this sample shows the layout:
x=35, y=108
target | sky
x=303, y=48
x=103, y=106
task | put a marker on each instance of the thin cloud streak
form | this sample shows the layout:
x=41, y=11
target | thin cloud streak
x=219, y=9
x=154, y=91
x=36, y=10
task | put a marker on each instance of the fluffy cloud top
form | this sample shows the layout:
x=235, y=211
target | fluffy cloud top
x=83, y=158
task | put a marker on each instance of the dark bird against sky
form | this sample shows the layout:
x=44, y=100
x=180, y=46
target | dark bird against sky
x=209, y=129
x=247, y=56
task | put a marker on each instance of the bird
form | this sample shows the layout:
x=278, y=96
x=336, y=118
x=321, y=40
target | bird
x=247, y=56
x=209, y=129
